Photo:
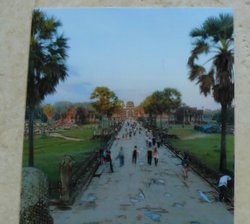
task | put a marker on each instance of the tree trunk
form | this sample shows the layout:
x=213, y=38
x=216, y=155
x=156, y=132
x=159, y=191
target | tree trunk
x=31, y=140
x=223, y=154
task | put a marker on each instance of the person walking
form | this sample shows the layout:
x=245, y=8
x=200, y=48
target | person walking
x=109, y=160
x=149, y=155
x=102, y=159
x=223, y=185
x=185, y=166
x=134, y=155
x=121, y=157
x=158, y=142
x=156, y=156
x=149, y=142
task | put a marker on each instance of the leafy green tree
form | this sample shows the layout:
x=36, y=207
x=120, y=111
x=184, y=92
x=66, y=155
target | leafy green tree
x=160, y=102
x=116, y=106
x=172, y=99
x=48, y=110
x=47, y=67
x=106, y=101
x=214, y=41
x=150, y=108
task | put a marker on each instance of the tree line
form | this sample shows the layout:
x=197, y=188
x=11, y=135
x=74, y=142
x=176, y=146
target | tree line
x=59, y=110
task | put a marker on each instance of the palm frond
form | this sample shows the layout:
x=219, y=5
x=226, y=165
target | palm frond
x=206, y=83
x=200, y=47
x=195, y=72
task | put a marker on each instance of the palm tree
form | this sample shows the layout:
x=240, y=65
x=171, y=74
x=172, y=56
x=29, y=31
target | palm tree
x=46, y=65
x=214, y=39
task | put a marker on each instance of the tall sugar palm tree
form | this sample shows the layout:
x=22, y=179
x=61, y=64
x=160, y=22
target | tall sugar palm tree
x=214, y=41
x=47, y=67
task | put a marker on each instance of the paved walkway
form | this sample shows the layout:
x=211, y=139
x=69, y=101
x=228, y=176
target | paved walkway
x=140, y=193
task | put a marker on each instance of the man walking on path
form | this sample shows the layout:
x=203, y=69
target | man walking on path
x=109, y=160
x=121, y=157
x=134, y=155
x=185, y=166
x=149, y=155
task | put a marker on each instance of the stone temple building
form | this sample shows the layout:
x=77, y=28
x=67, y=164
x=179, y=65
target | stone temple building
x=129, y=110
x=188, y=115
x=182, y=115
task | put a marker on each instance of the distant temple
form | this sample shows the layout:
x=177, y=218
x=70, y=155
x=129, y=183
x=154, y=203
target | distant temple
x=188, y=115
x=182, y=115
x=129, y=110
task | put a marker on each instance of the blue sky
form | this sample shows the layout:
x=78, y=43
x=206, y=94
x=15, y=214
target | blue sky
x=132, y=51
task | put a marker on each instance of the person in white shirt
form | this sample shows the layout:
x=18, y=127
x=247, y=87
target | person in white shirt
x=223, y=184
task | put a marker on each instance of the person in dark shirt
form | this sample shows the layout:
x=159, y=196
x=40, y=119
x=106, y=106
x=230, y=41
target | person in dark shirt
x=109, y=160
x=134, y=155
x=149, y=156
x=185, y=166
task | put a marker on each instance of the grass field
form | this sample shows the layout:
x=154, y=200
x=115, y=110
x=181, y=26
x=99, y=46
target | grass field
x=49, y=151
x=205, y=147
x=182, y=132
x=83, y=132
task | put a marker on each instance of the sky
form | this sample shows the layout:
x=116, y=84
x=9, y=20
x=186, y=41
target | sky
x=132, y=51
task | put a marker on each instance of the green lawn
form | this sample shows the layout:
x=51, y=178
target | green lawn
x=182, y=132
x=49, y=151
x=207, y=148
x=82, y=132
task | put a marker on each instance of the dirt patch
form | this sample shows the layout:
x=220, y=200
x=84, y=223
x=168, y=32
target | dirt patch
x=65, y=137
x=201, y=135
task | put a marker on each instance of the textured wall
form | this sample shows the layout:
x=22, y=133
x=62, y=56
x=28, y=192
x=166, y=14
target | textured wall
x=15, y=19
x=34, y=197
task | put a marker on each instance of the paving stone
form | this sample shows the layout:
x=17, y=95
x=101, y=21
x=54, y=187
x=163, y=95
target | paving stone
x=153, y=216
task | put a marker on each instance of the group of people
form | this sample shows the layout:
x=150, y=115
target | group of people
x=131, y=129
x=151, y=154
x=223, y=182
x=105, y=157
